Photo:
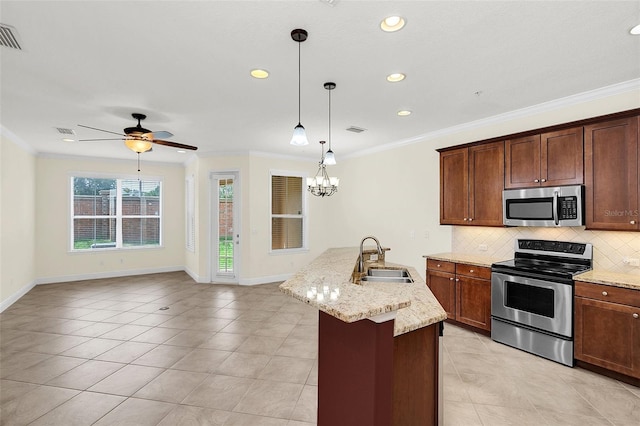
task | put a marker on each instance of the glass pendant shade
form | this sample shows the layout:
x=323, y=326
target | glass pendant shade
x=329, y=158
x=299, y=136
x=138, y=146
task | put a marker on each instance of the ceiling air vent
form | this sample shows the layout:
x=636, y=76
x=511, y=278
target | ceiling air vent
x=65, y=131
x=9, y=37
x=355, y=129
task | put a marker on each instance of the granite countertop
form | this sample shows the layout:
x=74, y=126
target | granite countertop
x=616, y=279
x=471, y=259
x=325, y=284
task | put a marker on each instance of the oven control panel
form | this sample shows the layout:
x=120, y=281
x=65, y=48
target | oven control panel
x=568, y=208
x=552, y=246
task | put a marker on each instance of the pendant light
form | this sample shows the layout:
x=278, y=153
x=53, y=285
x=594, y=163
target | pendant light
x=329, y=158
x=321, y=185
x=299, y=135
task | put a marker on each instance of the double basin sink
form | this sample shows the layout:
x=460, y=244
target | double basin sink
x=399, y=275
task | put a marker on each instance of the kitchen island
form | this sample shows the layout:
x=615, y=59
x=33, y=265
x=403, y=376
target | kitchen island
x=378, y=353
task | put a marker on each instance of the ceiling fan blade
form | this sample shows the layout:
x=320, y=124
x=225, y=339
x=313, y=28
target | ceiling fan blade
x=162, y=134
x=102, y=139
x=174, y=144
x=100, y=130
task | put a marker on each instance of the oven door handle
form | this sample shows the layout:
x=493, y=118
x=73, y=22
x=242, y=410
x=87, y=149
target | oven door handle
x=556, y=220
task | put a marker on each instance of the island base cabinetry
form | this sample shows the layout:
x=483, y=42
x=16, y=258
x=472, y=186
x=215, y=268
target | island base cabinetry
x=368, y=377
x=607, y=327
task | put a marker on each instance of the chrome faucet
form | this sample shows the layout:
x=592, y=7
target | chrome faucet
x=361, y=259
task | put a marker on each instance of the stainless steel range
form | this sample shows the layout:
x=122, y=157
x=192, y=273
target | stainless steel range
x=532, y=297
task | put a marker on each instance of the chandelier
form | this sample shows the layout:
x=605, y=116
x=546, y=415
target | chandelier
x=321, y=185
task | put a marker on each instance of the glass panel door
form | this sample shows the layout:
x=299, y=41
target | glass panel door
x=226, y=236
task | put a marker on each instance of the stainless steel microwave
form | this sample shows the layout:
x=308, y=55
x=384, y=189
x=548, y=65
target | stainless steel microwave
x=552, y=206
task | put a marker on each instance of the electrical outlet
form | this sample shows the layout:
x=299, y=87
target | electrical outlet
x=483, y=247
x=426, y=235
x=634, y=262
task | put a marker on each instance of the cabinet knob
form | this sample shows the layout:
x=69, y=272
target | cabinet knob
x=633, y=222
x=450, y=279
x=543, y=180
x=536, y=180
x=470, y=219
x=471, y=271
x=438, y=265
x=457, y=279
x=465, y=219
x=635, y=316
x=604, y=293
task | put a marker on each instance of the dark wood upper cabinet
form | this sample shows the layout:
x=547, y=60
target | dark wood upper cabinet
x=522, y=162
x=547, y=159
x=454, y=186
x=611, y=175
x=471, y=184
x=486, y=182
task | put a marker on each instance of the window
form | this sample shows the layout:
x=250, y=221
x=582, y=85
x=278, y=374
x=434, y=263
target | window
x=115, y=213
x=288, y=216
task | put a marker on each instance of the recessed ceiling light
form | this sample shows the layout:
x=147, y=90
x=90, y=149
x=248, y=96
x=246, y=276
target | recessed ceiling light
x=404, y=112
x=68, y=140
x=395, y=77
x=181, y=151
x=392, y=23
x=635, y=30
x=259, y=73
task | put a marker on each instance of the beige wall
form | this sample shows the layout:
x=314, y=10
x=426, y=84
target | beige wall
x=17, y=218
x=392, y=194
x=55, y=261
x=257, y=264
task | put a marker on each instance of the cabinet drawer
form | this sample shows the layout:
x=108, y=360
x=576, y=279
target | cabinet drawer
x=473, y=271
x=440, y=265
x=608, y=293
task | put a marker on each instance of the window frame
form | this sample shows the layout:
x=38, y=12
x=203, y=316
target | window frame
x=304, y=215
x=119, y=178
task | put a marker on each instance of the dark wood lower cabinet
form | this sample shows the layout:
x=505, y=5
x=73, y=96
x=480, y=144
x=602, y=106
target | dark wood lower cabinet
x=366, y=376
x=443, y=287
x=607, y=333
x=473, y=302
x=465, y=295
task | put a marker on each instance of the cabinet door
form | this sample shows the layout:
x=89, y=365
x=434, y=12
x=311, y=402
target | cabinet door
x=611, y=175
x=454, y=188
x=561, y=157
x=522, y=162
x=443, y=287
x=486, y=182
x=473, y=302
x=608, y=335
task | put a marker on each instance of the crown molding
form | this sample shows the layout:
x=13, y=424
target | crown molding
x=579, y=98
x=12, y=137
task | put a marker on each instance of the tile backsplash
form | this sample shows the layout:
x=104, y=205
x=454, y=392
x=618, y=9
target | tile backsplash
x=610, y=249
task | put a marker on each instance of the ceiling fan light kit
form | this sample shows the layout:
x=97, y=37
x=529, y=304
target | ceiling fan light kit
x=138, y=139
x=299, y=134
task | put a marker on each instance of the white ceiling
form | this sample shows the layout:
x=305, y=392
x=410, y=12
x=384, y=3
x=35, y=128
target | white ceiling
x=186, y=65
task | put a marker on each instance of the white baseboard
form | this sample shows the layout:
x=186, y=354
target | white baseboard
x=16, y=296
x=265, y=280
x=197, y=278
x=110, y=274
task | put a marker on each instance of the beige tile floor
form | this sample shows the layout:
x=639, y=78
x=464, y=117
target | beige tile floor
x=102, y=352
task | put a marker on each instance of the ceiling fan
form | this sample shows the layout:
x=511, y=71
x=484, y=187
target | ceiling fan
x=139, y=139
